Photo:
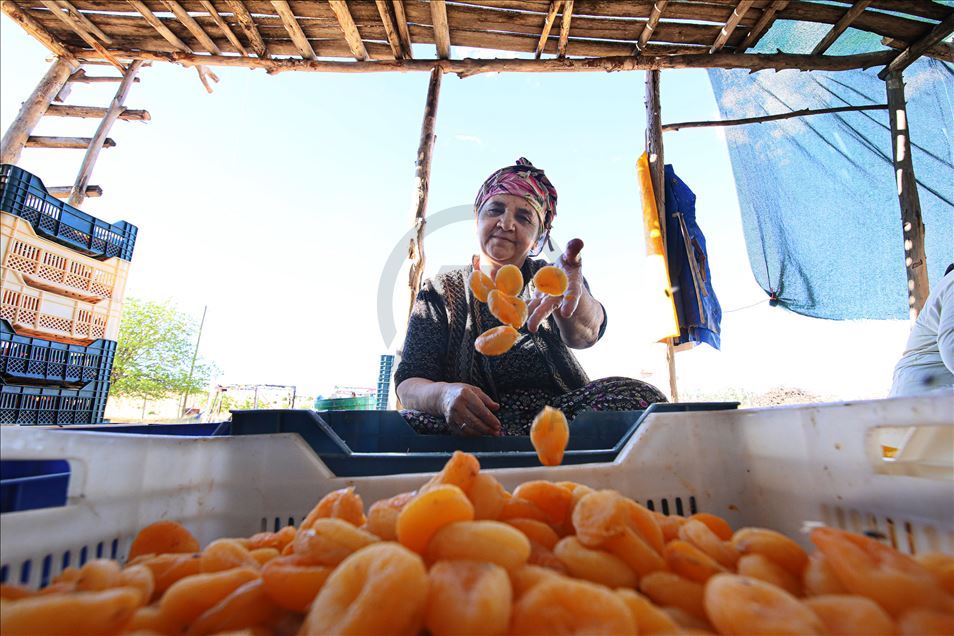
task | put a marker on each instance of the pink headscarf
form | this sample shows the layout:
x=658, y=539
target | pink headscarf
x=522, y=180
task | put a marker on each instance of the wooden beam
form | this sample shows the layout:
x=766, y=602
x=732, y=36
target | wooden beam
x=99, y=137
x=63, y=192
x=913, y=52
x=915, y=260
x=37, y=30
x=400, y=17
x=349, y=28
x=224, y=27
x=194, y=27
x=441, y=28
x=565, y=19
x=79, y=29
x=157, y=24
x=422, y=179
x=941, y=51
x=80, y=77
x=805, y=112
x=856, y=9
x=95, y=112
x=658, y=7
x=287, y=16
x=657, y=163
x=737, y=14
x=390, y=31
x=248, y=25
x=762, y=26
x=85, y=21
x=35, y=106
x=547, y=26
x=468, y=67
x=75, y=143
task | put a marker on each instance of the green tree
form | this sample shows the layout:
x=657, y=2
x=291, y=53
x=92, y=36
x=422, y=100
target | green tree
x=154, y=353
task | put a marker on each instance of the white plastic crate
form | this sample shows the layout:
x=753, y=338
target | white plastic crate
x=777, y=468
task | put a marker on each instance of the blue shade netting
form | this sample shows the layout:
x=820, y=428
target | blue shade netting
x=818, y=194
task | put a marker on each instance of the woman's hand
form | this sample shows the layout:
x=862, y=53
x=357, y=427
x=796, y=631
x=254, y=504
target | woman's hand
x=468, y=410
x=542, y=305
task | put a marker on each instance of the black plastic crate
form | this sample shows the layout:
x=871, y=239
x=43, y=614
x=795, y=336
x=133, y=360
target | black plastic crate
x=27, y=360
x=23, y=194
x=43, y=406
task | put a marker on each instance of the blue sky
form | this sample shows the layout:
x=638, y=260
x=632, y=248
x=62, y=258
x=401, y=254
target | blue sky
x=277, y=199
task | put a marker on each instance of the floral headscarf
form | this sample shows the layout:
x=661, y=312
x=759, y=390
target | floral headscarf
x=523, y=180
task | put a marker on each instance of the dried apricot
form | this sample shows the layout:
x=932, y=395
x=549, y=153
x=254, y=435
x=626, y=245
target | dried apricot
x=550, y=280
x=104, y=612
x=941, y=566
x=149, y=620
x=517, y=508
x=669, y=525
x=536, y=531
x=845, y=615
x=774, y=545
x=342, y=504
x=552, y=499
x=292, y=583
x=698, y=534
x=468, y=597
x=643, y=521
x=383, y=515
x=719, y=526
x=690, y=562
x=225, y=554
x=635, y=552
x=263, y=555
x=488, y=496
x=97, y=575
x=139, y=577
x=70, y=575
x=429, y=512
x=169, y=568
x=481, y=285
x=819, y=579
x=741, y=605
x=163, y=537
x=496, y=341
x=526, y=576
x=688, y=623
x=330, y=541
x=380, y=589
x=247, y=606
x=923, y=622
x=13, y=592
x=594, y=565
x=557, y=605
x=277, y=540
x=509, y=280
x=545, y=558
x=761, y=567
x=649, y=618
x=188, y=598
x=460, y=470
x=509, y=310
x=671, y=590
x=549, y=435
x=490, y=541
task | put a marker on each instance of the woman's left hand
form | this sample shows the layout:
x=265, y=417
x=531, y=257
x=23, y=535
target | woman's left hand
x=542, y=305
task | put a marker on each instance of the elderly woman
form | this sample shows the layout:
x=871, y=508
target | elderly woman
x=448, y=387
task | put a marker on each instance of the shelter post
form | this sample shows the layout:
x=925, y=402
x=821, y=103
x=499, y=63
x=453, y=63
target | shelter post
x=422, y=177
x=915, y=260
x=657, y=167
x=17, y=135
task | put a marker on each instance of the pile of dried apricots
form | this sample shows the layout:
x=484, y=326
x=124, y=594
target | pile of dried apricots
x=461, y=555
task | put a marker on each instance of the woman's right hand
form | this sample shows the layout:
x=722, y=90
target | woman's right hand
x=468, y=410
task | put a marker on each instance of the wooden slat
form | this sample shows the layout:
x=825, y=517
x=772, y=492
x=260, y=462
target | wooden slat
x=762, y=26
x=566, y=17
x=34, y=28
x=224, y=27
x=157, y=24
x=80, y=77
x=80, y=29
x=349, y=28
x=394, y=40
x=441, y=28
x=913, y=52
x=658, y=7
x=856, y=9
x=294, y=29
x=96, y=112
x=35, y=106
x=189, y=22
x=940, y=51
x=248, y=25
x=729, y=27
x=85, y=21
x=547, y=26
x=76, y=143
x=805, y=112
x=400, y=17
x=63, y=192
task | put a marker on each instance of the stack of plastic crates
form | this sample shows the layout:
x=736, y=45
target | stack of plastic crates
x=384, y=382
x=63, y=276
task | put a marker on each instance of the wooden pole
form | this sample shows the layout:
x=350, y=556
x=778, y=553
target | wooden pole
x=565, y=19
x=75, y=143
x=856, y=9
x=36, y=105
x=96, y=145
x=913, y=52
x=737, y=14
x=95, y=112
x=658, y=7
x=915, y=260
x=37, y=30
x=422, y=177
x=654, y=148
x=938, y=51
x=805, y=112
x=547, y=26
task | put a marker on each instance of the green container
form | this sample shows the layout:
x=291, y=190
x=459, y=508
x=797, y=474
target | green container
x=360, y=403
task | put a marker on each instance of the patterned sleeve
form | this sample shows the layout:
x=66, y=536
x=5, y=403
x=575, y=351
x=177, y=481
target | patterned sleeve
x=599, y=336
x=425, y=345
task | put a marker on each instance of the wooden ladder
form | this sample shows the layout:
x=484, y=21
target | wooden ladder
x=55, y=87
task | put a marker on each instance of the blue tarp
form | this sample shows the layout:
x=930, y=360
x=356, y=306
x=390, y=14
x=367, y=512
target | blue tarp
x=817, y=194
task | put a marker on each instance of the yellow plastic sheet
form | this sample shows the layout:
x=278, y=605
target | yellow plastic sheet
x=660, y=310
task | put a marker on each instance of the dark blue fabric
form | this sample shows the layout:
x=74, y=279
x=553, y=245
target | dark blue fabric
x=818, y=195
x=696, y=304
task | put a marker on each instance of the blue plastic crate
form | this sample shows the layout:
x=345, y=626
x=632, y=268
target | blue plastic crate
x=33, y=405
x=24, y=195
x=27, y=360
x=27, y=484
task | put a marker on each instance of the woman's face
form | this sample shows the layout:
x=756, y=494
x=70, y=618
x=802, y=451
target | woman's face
x=507, y=228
